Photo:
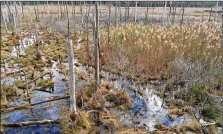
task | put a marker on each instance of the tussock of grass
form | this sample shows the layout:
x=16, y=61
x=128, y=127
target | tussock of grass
x=192, y=127
x=46, y=83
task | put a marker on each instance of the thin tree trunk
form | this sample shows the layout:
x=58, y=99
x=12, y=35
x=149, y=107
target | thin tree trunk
x=82, y=20
x=61, y=12
x=96, y=47
x=3, y=17
x=182, y=16
x=222, y=53
x=125, y=12
x=135, y=12
x=71, y=75
x=38, y=55
x=170, y=11
x=210, y=15
x=216, y=11
x=128, y=9
x=164, y=13
x=116, y=22
x=14, y=31
x=35, y=12
x=147, y=12
x=88, y=49
x=22, y=10
x=120, y=12
x=58, y=10
x=109, y=23
x=48, y=12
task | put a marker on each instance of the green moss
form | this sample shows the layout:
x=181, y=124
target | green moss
x=20, y=84
x=210, y=112
x=199, y=89
x=46, y=83
x=4, y=101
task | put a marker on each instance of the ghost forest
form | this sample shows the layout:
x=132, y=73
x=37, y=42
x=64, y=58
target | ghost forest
x=111, y=67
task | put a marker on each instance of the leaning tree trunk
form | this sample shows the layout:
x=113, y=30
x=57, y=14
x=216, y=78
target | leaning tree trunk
x=96, y=47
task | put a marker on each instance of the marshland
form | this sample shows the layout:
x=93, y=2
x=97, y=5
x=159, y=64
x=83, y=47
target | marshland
x=99, y=67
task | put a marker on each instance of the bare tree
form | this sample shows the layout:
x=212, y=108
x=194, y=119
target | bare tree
x=116, y=21
x=38, y=53
x=108, y=24
x=164, y=13
x=35, y=10
x=135, y=11
x=96, y=47
x=182, y=16
x=120, y=13
x=216, y=11
x=210, y=14
x=147, y=12
x=70, y=54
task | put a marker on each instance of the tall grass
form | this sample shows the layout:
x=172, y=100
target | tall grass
x=148, y=49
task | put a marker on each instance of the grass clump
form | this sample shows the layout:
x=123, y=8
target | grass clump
x=46, y=83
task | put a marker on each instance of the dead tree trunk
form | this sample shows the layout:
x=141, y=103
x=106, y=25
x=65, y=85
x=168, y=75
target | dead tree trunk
x=48, y=12
x=70, y=54
x=164, y=13
x=58, y=10
x=125, y=12
x=109, y=23
x=14, y=31
x=38, y=53
x=170, y=12
x=222, y=50
x=22, y=11
x=88, y=48
x=28, y=123
x=216, y=11
x=96, y=47
x=210, y=15
x=5, y=23
x=120, y=12
x=147, y=12
x=116, y=21
x=35, y=13
x=71, y=75
x=182, y=16
x=128, y=9
x=135, y=12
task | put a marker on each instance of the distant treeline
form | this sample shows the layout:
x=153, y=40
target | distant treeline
x=132, y=3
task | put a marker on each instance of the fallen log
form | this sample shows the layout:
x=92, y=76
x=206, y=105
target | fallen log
x=19, y=107
x=54, y=99
x=24, y=106
x=28, y=123
x=208, y=124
